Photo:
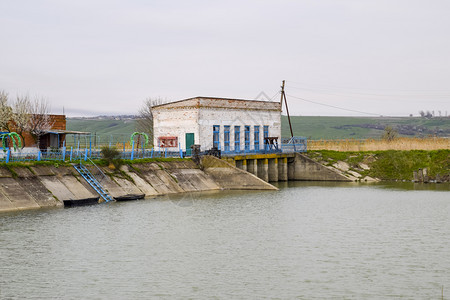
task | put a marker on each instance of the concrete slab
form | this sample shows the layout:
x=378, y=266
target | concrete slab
x=113, y=188
x=183, y=180
x=207, y=182
x=63, y=170
x=17, y=195
x=128, y=186
x=230, y=177
x=157, y=183
x=4, y=172
x=57, y=188
x=23, y=172
x=77, y=188
x=36, y=189
x=42, y=171
x=194, y=180
x=143, y=185
x=5, y=203
x=169, y=181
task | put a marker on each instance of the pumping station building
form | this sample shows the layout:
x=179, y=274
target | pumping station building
x=229, y=125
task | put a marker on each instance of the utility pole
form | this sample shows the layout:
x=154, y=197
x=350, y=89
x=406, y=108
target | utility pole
x=283, y=95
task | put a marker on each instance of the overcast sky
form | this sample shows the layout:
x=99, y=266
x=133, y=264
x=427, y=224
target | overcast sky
x=381, y=57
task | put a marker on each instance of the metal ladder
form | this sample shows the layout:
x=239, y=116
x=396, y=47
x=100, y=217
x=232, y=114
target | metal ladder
x=87, y=175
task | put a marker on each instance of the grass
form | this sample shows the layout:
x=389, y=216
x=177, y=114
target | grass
x=391, y=164
x=28, y=164
x=115, y=127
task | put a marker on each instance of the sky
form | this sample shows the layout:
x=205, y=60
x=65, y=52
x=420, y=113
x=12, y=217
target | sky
x=338, y=57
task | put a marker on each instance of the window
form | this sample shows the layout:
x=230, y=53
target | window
x=237, y=138
x=216, y=136
x=226, y=138
x=247, y=137
x=266, y=134
x=256, y=138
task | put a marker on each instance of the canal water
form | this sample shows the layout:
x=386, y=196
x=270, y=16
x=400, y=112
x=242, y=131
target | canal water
x=306, y=241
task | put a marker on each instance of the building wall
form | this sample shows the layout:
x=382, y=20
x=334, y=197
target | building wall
x=58, y=123
x=237, y=117
x=199, y=115
x=175, y=122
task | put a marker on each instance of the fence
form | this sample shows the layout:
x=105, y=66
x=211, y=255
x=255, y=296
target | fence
x=82, y=155
x=297, y=144
x=71, y=154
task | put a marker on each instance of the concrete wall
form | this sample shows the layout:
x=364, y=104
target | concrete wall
x=232, y=178
x=285, y=166
x=47, y=186
x=306, y=169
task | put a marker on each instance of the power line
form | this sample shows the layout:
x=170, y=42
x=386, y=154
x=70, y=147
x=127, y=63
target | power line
x=328, y=86
x=336, y=107
x=358, y=94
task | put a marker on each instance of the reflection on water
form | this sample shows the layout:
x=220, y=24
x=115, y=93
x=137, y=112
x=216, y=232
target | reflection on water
x=306, y=241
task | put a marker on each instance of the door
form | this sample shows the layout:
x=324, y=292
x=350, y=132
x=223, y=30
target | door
x=189, y=143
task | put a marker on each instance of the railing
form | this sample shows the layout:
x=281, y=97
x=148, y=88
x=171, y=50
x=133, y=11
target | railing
x=74, y=155
x=283, y=148
x=83, y=155
x=98, y=173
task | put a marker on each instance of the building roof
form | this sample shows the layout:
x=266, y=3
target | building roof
x=214, y=102
x=59, y=131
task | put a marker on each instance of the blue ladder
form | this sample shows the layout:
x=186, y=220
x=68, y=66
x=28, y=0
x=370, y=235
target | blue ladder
x=84, y=172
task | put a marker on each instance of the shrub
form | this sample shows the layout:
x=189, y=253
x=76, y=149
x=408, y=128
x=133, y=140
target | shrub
x=112, y=157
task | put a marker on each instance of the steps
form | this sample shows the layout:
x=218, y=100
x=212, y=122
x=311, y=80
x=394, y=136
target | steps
x=87, y=175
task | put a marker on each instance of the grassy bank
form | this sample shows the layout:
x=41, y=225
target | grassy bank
x=391, y=164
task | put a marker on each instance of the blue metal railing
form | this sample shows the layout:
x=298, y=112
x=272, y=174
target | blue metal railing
x=70, y=154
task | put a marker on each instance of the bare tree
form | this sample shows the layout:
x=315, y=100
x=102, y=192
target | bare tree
x=390, y=133
x=39, y=119
x=145, y=121
x=5, y=112
x=21, y=116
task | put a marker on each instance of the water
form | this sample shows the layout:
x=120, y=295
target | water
x=306, y=241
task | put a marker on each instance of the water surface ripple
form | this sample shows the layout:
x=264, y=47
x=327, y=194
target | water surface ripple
x=306, y=241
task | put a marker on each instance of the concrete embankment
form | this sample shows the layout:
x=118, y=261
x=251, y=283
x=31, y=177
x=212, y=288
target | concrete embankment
x=285, y=166
x=32, y=187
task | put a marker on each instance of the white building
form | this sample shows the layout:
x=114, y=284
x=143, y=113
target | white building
x=228, y=124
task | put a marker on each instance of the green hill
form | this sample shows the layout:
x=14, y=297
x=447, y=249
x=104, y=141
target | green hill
x=311, y=127
x=102, y=127
x=363, y=127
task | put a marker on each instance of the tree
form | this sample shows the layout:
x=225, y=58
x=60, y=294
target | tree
x=390, y=133
x=39, y=119
x=5, y=112
x=145, y=121
x=21, y=116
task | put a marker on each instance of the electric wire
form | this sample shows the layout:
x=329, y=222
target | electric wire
x=333, y=106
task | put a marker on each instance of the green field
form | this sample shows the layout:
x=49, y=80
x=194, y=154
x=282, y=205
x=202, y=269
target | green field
x=363, y=127
x=310, y=127
x=102, y=127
